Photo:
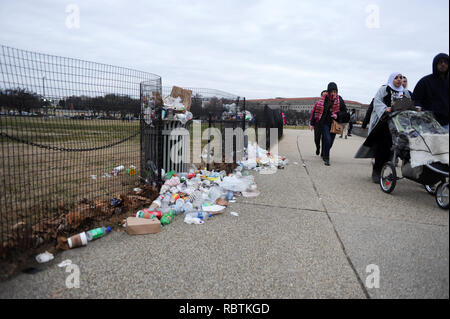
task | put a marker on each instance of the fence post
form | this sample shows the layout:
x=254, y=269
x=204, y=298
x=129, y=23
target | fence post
x=209, y=141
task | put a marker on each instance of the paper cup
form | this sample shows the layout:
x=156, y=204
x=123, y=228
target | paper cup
x=77, y=240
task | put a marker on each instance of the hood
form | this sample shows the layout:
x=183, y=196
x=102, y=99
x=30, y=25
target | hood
x=332, y=86
x=390, y=82
x=436, y=59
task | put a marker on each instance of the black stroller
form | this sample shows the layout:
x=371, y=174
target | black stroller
x=418, y=138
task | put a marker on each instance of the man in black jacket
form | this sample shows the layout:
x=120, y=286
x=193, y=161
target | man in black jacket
x=431, y=92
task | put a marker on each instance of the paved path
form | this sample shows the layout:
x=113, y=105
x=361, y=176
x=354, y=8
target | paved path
x=310, y=234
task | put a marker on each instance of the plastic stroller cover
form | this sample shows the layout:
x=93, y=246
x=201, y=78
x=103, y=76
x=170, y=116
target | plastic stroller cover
x=421, y=135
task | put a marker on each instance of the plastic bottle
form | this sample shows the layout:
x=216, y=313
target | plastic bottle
x=155, y=204
x=204, y=215
x=148, y=214
x=167, y=218
x=118, y=169
x=188, y=207
x=174, y=198
x=97, y=233
x=179, y=205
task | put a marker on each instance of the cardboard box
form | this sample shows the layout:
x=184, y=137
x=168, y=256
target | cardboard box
x=142, y=226
x=185, y=96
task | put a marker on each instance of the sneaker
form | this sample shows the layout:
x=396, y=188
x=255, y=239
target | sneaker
x=346, y=136
x=326, y=162
x=349, y=134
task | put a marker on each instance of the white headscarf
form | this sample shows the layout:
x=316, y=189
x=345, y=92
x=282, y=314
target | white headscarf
x=391, y=83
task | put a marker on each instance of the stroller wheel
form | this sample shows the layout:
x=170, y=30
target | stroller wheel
x=431, y=189
x=388, y=178
x=442, y=195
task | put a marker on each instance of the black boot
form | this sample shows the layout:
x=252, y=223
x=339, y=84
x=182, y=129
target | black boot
x=326, y=161
x=376, y=175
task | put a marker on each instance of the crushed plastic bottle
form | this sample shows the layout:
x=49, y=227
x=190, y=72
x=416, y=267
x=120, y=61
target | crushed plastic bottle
x=167, y=218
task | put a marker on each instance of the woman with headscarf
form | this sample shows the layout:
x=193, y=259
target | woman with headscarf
x=330, y=106
x=379, y=142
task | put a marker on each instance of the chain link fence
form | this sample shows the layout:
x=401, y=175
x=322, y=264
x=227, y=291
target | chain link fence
x=69, y=133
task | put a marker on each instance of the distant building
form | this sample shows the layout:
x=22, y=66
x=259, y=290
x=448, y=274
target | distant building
x=305, y=104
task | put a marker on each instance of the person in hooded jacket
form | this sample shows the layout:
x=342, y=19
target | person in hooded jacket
x=431, y=92
x=330, y=106
x=379, y=141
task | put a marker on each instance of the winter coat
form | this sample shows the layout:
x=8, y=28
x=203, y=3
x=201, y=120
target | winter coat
x=431, y=93
x=381, y=101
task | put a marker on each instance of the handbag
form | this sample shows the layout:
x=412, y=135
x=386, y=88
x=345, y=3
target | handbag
x=336, y=128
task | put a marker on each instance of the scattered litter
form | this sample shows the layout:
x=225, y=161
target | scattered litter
x=44, y=257
x=190, y=219
x=234, y=214
x=77, y=240
x=137, y=190
x=142, y=226
x=295, y=163
x=65, y=263
x=213, y=208
x=94, y=176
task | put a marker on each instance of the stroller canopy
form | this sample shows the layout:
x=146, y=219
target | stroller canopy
x=427, y=139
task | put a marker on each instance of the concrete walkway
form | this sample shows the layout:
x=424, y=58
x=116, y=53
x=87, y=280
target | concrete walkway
x=310, y=234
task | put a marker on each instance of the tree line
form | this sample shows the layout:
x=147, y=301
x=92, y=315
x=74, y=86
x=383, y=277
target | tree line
x=21, y=99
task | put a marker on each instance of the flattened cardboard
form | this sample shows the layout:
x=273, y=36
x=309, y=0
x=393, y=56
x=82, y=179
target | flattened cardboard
x=142, y=226
x=185, y=96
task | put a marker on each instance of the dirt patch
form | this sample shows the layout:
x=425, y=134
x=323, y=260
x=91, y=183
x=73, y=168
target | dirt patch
x=26, y=241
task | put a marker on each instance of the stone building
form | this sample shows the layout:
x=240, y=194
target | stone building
x=305, y=104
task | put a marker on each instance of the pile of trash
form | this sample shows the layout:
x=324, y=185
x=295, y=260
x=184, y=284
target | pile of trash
x=177, y=106
x=174, y=107
x=232, y=114
x=261, y=160
x=198, y=195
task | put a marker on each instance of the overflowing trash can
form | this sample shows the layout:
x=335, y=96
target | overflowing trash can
x=165, y=141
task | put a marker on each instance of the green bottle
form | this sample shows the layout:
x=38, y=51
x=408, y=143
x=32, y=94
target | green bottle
x=168, y=217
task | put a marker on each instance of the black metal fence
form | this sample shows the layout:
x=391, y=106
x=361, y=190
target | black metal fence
x=69, y=132
x=74, y=134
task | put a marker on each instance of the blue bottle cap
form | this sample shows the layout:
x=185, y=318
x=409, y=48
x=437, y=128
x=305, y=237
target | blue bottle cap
x=108, y=229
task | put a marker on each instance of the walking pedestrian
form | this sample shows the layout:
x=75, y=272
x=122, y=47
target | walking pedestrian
x=379, y=141
x=431, y=92
x=316, y=127
x=351, y=122
x=330, y=107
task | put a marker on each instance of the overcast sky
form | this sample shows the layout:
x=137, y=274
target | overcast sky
x=251, y=48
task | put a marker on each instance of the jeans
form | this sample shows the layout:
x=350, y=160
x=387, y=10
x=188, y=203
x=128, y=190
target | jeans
x=350, y=128
x=446, y=127
x=317, y=136
x=327, y=141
